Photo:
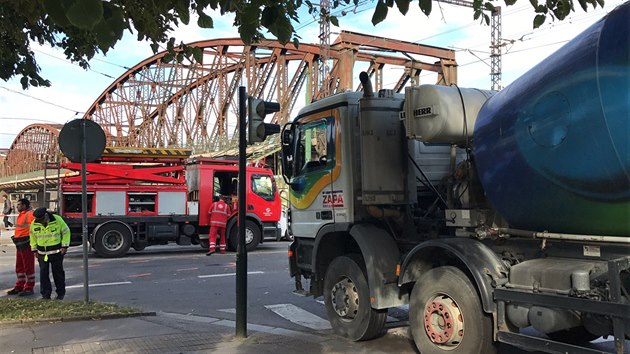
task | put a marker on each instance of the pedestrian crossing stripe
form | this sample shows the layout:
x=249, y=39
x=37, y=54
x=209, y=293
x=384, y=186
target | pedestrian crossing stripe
x=300, y=316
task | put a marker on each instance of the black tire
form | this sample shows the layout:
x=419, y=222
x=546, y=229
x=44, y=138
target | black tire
x=575, y=335
x=112, y=240
x=355, y=318
x=252, y=236
x=205, y=244
x=139, y=246
x=445, y=305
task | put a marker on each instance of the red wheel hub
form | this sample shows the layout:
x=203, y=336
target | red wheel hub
x=443, y=321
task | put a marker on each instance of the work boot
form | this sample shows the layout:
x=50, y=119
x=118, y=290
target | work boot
x=14, y=291
x=26, y=293
x=45, y=297
x=60, y=297
x=211, y=253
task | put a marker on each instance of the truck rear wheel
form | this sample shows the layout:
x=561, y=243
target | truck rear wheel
x=112, y=240
x=252, y=236
x=445, y=314
x=347, y=300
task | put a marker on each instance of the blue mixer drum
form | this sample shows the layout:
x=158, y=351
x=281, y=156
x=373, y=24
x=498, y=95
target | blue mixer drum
x=552, y=149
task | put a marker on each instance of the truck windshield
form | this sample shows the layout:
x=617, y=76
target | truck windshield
x=263, y=186
x=313, y=147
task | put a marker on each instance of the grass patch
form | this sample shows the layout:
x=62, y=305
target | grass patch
x=34, y=309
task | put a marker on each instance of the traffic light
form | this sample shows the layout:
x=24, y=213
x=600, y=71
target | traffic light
x=258, y=130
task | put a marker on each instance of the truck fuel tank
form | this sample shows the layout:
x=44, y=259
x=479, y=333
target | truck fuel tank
x=553, y=148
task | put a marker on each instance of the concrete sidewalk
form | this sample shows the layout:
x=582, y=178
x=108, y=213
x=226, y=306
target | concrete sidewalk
x=168, y=333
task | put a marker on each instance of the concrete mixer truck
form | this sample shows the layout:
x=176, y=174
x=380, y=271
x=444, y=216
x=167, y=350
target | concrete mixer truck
x=498, y=217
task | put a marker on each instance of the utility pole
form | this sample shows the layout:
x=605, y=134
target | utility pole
x=324, y=48
x=495, y=39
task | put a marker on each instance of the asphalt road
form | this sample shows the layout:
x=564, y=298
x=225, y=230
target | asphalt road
x=183, y=280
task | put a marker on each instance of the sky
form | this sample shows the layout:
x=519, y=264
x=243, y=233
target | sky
x=74, y=89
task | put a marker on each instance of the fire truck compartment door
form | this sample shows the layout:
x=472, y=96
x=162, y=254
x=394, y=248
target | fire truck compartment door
x=110, y=203
x=170, y=203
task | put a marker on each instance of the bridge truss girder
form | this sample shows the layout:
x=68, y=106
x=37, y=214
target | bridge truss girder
x=168, y=104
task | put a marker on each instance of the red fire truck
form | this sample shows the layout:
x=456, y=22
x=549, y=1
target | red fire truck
x=137, y=197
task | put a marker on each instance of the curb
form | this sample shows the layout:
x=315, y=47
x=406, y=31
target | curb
x=77, y=318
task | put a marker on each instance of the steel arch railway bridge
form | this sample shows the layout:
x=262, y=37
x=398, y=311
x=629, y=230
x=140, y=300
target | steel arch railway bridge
x=168, y=104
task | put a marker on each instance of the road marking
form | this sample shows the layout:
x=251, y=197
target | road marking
x=228, y=310
x=139, y=275
x=299, y=316
x=185, y=269
x=101, y=284
x=226, y=275
x=139, y=261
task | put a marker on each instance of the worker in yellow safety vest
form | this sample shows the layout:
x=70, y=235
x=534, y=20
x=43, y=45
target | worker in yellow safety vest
x=50, y=238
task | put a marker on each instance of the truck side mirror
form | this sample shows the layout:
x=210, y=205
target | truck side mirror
x=287, y=139
x=298, y=184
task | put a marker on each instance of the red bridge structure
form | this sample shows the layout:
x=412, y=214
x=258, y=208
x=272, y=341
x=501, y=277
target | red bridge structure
x=195, y=105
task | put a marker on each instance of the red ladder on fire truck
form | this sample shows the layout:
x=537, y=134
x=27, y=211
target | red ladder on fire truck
x=125, y=165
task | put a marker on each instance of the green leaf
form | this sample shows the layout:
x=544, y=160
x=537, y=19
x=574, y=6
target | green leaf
x=425, y=6
x=539, y=20
x=24, y=82
x=403, y=6
x=197, y=54
x=154, y=47
x=583, y=4
x=250, y=15
x=85, y=14
x=105, y=36
x=334, y=21
x=380, y=13
x=168, y=58
x=296, y=43
x=270, y=16
x=57, y=12
x=182, y=8
x=510, y=2
x=204, y=20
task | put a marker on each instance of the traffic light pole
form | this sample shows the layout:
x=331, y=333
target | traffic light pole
x=241, y=249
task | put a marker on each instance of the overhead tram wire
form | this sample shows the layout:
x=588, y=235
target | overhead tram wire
x=75, y=111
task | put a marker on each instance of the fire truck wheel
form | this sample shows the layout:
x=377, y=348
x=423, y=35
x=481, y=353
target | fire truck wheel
x=252, y=236
x=446, y=316
x=205, y=244
x=112, y=240
x=347, y=299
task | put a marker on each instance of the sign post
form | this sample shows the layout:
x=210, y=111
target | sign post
x=73, y=139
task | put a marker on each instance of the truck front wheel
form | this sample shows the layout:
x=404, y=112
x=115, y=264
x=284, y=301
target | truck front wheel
x=252, y=236
x=112, y=240
x=347, y=299
x=445, y=314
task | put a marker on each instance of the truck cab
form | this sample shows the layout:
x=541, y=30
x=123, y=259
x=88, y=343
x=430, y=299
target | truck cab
x=207, y=178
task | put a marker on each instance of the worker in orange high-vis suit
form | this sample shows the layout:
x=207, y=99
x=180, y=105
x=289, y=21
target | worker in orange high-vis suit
x=219, y=213
x=24, y=258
